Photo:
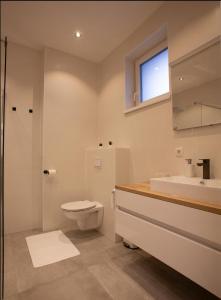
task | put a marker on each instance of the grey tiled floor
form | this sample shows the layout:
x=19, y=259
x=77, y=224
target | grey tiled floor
x=104, y=270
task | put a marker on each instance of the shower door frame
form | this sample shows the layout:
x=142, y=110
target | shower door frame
x=2, y=129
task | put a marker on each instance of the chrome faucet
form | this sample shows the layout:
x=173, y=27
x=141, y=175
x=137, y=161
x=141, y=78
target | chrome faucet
x=206, y=168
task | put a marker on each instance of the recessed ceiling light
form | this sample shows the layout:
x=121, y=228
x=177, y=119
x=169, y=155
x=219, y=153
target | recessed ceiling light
x=77, y=34
x=156, y=68
x=180, y=78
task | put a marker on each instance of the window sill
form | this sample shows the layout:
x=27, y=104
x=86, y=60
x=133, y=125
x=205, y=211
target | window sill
x=153, y=101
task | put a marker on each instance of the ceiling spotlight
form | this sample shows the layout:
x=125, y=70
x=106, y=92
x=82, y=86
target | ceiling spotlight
x=77, y=34
x=180, y=78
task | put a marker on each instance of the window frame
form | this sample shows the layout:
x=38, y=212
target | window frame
x=147, y=56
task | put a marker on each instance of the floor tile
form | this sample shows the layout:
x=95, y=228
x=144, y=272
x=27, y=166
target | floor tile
x=80, y=286
x=28, y=277
x=79, y=237
x=10, y=287
x=15, y=297
x=159, y=280
x=103, y=270
x=118, y=285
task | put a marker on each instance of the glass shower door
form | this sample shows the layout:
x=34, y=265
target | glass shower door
x=2, y=122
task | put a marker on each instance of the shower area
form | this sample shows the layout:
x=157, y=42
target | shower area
x=30, y=200
x=48, y=121
x=19, y=162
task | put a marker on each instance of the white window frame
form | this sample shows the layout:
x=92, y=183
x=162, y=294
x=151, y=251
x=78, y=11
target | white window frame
x=136, y=97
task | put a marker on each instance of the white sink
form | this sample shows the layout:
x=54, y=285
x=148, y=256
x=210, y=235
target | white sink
x=208, y=190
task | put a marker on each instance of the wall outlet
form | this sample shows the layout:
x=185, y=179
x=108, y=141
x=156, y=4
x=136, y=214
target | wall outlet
x=179, y=151
x=97, y=163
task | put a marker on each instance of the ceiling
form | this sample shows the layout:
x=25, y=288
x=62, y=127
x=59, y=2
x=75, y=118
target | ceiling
x=104, y=24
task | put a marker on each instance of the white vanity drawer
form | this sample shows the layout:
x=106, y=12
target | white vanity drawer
x=196, y=261
x=200, y=223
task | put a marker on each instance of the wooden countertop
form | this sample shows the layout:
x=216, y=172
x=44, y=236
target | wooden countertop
x=144, y=190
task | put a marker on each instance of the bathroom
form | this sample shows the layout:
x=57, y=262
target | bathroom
x=110, y=188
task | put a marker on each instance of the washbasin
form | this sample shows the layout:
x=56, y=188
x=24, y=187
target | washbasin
x=208, y=190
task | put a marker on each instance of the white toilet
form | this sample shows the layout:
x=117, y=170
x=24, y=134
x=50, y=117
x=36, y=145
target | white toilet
x=87, y=214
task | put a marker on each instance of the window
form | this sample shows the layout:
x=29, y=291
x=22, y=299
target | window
x=154, y=76
x=147, y=72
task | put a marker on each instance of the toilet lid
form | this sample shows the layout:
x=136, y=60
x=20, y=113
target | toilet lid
x=78, y=205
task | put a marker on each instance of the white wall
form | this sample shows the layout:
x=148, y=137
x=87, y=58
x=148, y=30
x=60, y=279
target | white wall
x=62, y=90
x=69, y=127
x=22, y=153
x=148, y=132
x=77, y=114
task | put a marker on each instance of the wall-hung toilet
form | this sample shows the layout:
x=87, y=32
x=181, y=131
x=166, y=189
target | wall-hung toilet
x=87, y=214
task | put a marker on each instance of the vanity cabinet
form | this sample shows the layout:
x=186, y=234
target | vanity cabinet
x=185, y=238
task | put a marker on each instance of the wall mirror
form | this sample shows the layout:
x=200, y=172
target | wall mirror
x=196, y=87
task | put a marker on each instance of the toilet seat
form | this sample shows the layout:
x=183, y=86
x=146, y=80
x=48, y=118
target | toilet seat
x=78, y=205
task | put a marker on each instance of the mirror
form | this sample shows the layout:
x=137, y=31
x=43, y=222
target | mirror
x=196, y=87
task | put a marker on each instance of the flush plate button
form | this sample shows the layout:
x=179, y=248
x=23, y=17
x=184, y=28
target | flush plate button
x=179, y=152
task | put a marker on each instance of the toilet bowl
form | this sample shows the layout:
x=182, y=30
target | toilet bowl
x=87, y=214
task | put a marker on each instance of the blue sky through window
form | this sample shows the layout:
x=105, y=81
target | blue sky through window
x=154, y=76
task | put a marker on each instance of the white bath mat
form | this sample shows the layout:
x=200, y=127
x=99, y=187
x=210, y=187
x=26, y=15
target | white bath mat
x=51, y=247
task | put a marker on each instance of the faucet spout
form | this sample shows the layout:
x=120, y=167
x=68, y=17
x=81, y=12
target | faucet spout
x=206, y=168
